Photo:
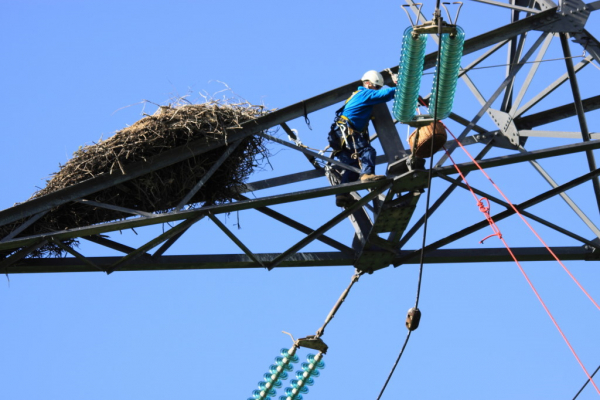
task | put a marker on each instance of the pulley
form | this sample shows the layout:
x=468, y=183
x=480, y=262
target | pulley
x=413, y=318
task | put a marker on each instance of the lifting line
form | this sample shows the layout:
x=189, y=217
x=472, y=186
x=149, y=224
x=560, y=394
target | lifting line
x=414, y=314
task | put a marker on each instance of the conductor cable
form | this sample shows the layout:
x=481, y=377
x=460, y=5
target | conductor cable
x=413, y=323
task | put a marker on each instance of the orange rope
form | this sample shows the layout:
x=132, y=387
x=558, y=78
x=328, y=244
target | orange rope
x=486, y=211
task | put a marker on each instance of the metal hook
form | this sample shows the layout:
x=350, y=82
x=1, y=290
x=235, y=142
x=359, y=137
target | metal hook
x=457, y=12
x=408, y=15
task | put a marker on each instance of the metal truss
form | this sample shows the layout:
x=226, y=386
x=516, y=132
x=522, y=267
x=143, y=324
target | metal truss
x=383, y=216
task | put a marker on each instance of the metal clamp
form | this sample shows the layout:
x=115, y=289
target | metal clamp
x=408, y=15
x=457, y=12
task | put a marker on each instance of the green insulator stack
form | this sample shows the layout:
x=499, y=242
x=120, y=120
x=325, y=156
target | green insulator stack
x=277, y=372
x=450, y=56
x=304, y=378
x=410, y=71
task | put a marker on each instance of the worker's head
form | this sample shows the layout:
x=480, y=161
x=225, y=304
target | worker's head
x=372, y=80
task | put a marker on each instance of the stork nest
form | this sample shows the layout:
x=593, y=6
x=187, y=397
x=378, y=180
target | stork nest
x=159, y=191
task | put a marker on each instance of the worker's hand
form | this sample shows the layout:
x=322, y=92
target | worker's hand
x=393, y=76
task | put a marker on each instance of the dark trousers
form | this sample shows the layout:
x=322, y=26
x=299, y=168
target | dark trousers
x=366, y=153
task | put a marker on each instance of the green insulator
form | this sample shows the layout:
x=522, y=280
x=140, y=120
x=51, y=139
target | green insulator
x=277, y=371
x=450, y=57
x=410, y=71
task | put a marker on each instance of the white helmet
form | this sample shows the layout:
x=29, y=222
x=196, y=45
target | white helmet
x=374, y=77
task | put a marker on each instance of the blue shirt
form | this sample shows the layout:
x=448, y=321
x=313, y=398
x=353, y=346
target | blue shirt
x=359, y=108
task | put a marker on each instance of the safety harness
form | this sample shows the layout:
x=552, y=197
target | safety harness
x=342, y=123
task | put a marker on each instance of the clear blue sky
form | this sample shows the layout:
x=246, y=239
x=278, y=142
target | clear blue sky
x=75, y=71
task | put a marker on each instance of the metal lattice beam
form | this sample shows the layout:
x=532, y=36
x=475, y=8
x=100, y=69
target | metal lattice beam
x=367, y=247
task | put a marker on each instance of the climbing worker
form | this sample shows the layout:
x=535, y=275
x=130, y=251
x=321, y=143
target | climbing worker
x=349, y=136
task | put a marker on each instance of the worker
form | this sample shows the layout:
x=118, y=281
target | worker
x=349, y=136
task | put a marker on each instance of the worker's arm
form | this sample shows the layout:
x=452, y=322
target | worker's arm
x=372, y=97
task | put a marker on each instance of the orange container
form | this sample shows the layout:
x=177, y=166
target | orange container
x=423, y=147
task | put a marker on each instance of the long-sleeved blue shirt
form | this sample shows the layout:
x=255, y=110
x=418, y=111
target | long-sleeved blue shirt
x=359, y=108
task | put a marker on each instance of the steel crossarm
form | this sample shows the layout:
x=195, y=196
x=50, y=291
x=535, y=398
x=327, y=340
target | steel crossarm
x=235, y=239
x=23, y=226
x=482, y=57
x=131, y=171
x=525, y=213
x=580, y=111
x=299, y=260
x=502, y=215
x=494, y=96
x=516, y=158
x=310, y=153
x=114, y=208
x=22, y=253
x=555, y=134
x=588, y=41
x=208, y=174
x=383, y=185
x=155, y=242
x=556, y=114
x=440, y=200
x=111, y=244
x=530, y=75
x=550, y=88
x=408, y=183
x=563, y=195
x=74, y=253
x=275, y=118
x=511, y=6
x=302, y=228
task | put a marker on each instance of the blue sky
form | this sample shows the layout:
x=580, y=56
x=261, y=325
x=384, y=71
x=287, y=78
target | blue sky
x=76, y=71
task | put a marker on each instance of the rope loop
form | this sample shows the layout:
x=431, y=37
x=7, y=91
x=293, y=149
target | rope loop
x=482, y=208
x=486, y=211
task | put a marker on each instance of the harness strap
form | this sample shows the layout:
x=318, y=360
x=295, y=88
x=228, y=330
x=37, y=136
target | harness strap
x=348, y=133
x=339, y=112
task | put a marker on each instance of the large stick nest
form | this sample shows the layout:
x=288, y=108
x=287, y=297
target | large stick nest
x=162, y=190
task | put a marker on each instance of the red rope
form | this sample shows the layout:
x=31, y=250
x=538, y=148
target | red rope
x=550, y=315
x=486, y=210
x=525, y=221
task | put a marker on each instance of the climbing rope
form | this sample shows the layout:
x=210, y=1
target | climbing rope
x=485, y=210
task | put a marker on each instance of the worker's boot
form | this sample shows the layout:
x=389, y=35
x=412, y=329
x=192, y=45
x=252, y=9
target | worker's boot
x=371, y=177
x=344, y=200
